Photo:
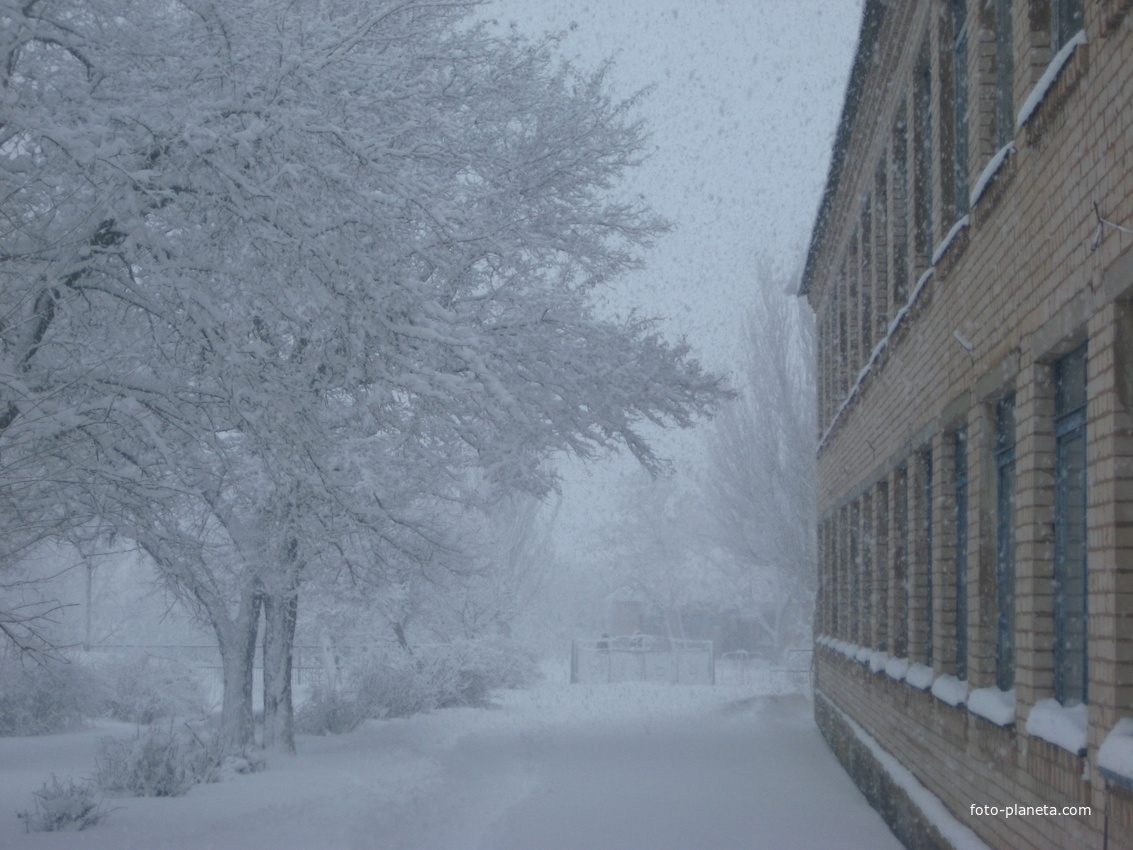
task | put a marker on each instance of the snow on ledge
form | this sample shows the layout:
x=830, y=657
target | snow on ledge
x=877, y=350
x=1029, y=106
x=948, y=689
x=897, y=668
x=920, y=677
x=878, y=661
x=993, y=705
x=1064, y=727
x=950, y=828
x=946, y=243
x=1047, y=79
x=1115, y=755
x=863, y=654
x=990, y=170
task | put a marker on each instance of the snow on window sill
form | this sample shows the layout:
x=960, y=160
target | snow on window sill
x=877, y=350
x=920, y=677
x=878, y=661
x=1115, y=756
x=897, y=668
x=863, y=654
x=939, y=253
x=989, y=172
x=1047, y=79
x=950, y=690
x=993, y=705
x=1064, y=727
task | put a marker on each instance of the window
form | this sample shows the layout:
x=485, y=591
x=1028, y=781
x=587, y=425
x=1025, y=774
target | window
x=1005, y=542
x=1069, y=19
x=881, y=559
x=926, y=480
x=854, y=565
x=881, y=250
x=900, y=205
x=867, y=279
x=868, y=631
x=922, y=160
x=1070, y=591
x=961, y=501
x=899, y=600
x=960, y=103
x=1004, y=75
x=843, y=353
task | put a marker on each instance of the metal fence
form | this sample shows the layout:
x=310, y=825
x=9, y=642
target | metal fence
x=642, y=658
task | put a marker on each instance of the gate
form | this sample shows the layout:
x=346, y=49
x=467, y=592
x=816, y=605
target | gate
x=642, y=658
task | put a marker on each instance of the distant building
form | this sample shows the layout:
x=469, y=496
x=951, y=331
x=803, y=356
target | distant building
x=971, y=271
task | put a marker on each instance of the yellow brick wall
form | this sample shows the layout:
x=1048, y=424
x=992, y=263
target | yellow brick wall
x=1022, y=284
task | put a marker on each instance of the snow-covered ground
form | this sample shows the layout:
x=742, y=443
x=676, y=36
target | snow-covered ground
x=605, y=766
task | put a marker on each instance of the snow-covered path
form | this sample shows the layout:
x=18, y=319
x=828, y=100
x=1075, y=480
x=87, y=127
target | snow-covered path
x=617, y=766
x=759, y=778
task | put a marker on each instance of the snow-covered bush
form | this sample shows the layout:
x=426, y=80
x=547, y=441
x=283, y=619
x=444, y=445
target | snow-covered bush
x=465, y=672
x=142, y=689
x=399, y=684
x=329, y=711
x=63, y=806
x=157, y=763
x=42, y=698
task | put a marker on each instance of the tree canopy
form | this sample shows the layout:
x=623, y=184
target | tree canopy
x=272, y=274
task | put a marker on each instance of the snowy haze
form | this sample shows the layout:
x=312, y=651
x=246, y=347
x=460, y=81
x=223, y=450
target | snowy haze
x=421, y=717
x=744, y=98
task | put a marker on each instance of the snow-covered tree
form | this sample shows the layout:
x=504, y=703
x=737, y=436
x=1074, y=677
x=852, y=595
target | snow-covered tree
x=759, y=482
x=270, y=272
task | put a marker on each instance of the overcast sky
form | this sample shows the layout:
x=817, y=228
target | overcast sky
x=745, y=100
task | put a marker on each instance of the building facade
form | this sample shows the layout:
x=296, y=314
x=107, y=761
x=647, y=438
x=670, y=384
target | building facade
x=971, y=273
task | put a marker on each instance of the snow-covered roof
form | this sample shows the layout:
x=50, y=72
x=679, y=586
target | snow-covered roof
x=872, y=16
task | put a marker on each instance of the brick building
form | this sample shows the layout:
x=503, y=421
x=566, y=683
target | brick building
x=971, y=273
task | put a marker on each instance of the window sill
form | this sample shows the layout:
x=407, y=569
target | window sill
x=1047, y=80
x=950, y=690
x=989, y=173
x=1056, y=724
x=920, y=677
x=993, y=705
x=897, y=668
x=1115, y=756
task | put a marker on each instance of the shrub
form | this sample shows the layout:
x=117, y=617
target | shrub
x=142, y=689
x=157, y=763
x=40, y=699
x=63, y=806
x=330, y=712
x=399, y=685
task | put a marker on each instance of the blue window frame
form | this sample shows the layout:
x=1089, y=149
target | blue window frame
x=922, y=156
x=1004, y=74
x=961, y=500
x=1071, y=611
x=1069, y=19
x=960, y=102
x=926, y=471
x=1005, y=542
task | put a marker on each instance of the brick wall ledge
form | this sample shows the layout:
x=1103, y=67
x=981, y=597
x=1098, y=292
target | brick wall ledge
x=915, y=815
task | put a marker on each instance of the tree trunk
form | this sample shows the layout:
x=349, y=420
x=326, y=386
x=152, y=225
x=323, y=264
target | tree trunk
x=280, y=611
x=237, y=642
